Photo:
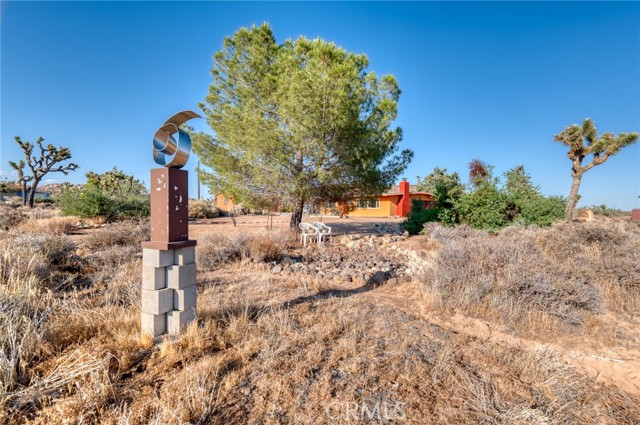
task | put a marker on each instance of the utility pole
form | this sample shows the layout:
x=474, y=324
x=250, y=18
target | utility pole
x=198, y=173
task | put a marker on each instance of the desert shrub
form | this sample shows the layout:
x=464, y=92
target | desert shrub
x=121, y=233
x=10, y=217
x=607, y=251
x=487, y=204
x=51, y=258
x=567, y=272
x=268, y=246
x=511, y=276
x=53, y=225
x=215, y=249
x=112, y=195
x=90, y=202
x=203, y=209
x=240, y=210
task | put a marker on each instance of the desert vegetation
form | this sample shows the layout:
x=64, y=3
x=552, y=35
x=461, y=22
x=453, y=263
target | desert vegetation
x=305, y=343
x=537, y=279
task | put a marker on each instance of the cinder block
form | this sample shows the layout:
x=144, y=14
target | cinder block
x=185, y=299
x=185, y=255
x=153, y=324
x=157, y=257
x=157, y=302
x=154, y=278
x=177, y=320
x=180, y=277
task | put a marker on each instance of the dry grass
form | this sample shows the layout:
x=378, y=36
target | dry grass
x=555, y=277
x=215, y=249
x=270, y=349
x=53, y=226
x=121, y=233
x=10, y=217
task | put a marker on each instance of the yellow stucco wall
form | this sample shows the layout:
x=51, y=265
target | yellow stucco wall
x=387, y=209
x=220, y=203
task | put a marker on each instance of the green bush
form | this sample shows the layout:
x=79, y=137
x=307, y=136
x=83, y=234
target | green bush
x=485, y=208
x=203, y=209
x=418, y=216
x=113, y=195
x=540, y=210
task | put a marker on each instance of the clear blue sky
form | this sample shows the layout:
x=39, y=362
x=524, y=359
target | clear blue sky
x=493, y=81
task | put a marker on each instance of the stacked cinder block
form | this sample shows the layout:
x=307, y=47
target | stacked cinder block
x=169, y=292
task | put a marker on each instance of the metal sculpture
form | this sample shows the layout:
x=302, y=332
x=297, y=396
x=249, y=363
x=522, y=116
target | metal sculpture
x=165, y=144
x=169, y=292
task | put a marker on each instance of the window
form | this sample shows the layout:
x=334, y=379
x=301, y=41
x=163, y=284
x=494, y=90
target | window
x=428, y=204
x=369, y=203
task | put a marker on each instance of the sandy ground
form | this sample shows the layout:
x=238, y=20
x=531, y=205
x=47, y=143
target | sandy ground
x=607, y=363
x=258, y=223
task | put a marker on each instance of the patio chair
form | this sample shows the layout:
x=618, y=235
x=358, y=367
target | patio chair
x=308, y=232
x=324, y=231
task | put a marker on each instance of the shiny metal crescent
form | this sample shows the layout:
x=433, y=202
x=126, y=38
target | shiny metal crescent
x=165, y=144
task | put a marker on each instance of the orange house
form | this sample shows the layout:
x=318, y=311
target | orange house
x=224, y=203
x=394, y=203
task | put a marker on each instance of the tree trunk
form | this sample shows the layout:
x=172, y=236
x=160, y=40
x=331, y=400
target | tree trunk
x=32, y=192
x=573, y=196
x=296, y=216
x=23, y=185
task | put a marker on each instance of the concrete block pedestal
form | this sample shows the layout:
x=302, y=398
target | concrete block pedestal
x=169, y=291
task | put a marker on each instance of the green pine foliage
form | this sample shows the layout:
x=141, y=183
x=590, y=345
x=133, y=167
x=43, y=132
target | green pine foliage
x=297, y=122
x=112, y=195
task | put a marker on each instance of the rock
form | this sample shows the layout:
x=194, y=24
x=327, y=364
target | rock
x=276, y=269
x=378, y=277
x=347, y=272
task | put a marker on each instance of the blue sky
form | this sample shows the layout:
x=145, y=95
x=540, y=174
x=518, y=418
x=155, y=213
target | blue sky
x=492, y=80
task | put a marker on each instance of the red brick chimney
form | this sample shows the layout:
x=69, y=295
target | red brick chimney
x=405, y=201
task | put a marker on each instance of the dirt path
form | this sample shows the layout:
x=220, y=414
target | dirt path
x=617, y=365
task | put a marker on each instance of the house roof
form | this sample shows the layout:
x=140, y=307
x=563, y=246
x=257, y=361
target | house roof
x=413, y=190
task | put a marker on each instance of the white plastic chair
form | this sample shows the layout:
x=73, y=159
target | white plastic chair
x=308, y=232
x=324, y=231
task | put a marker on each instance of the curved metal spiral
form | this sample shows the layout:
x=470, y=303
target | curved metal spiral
x=165, y=144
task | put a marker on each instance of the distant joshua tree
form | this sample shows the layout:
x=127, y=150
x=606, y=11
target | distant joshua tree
x=582, y=142
x=40, y=166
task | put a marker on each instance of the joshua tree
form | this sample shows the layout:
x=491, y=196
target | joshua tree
x=22, y=180
x=582, y=142
x=40, y=166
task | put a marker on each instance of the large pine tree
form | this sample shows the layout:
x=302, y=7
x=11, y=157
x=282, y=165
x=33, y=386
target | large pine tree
x=297, y=122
